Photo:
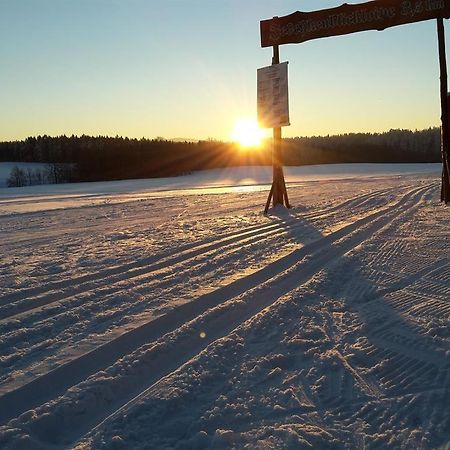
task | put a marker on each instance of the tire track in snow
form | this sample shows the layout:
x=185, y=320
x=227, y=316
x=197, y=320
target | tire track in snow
x=279, y=275
x=30, y=299
x=412, y=362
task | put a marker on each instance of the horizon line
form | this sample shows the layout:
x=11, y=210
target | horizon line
x=212, y=139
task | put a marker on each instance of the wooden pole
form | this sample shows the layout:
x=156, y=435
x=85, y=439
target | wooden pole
x=276, y=155
x=445, y=127
x=446, y=160
x=278, y=190
x=278, y=198
x=269, y=198
x=285, y=194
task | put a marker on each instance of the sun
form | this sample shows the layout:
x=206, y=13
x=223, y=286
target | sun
x=247, y=133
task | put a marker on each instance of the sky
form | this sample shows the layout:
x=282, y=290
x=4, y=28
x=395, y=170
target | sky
x=187, y=69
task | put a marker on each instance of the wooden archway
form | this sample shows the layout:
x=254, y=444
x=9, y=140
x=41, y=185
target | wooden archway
x=373, y=15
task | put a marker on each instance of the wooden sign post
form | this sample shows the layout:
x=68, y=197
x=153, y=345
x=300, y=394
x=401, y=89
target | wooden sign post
x=373, y=15
x=445, y=127
x=273, y=112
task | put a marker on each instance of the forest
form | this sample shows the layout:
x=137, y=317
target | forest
x=99, y=158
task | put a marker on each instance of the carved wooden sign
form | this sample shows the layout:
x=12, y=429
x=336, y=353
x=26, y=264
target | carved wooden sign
x=374, y=15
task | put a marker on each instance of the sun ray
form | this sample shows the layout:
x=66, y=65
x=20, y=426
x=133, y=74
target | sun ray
x=247, y=133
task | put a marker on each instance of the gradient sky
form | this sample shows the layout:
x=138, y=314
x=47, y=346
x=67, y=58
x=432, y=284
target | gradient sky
x=187, y=68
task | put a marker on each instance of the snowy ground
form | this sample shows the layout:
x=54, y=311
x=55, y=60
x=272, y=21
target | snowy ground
x=188, y=319
x=236, y=179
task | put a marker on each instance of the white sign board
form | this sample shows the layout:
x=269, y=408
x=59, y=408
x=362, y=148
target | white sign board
x=273, y=99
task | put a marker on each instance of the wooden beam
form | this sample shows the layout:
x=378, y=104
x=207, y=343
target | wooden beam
x=445, y=126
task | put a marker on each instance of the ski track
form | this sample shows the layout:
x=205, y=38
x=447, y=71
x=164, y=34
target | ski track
x=46, y=294
x=408, y=374
x=36, y=347
x=411, y=357
x=107, y=354
x=32, y=322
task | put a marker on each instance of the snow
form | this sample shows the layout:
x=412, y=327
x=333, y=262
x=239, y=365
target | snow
x=219, y=181
x=160, y=314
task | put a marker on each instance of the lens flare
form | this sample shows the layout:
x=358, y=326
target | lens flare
x=247, y=133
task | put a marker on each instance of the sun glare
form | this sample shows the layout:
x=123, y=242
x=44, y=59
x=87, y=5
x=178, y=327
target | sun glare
x=247, y=133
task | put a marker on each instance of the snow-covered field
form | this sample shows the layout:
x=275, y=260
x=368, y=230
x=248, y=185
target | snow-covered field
x=134, y=315
x=236, y=179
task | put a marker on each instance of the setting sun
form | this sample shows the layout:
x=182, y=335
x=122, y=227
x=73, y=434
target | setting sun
x=247, y=133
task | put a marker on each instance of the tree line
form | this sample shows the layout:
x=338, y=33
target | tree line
x=51, y=173
x=394, y=146
x=97, y=158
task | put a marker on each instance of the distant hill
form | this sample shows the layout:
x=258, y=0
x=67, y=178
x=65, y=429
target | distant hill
x=183, y=140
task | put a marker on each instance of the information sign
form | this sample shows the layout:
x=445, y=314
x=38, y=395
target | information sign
x=273, y=98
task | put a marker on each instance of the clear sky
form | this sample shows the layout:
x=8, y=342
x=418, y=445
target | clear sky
x=187, y=68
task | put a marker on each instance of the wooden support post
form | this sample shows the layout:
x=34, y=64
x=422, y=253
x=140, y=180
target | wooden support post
x=286, y=198
x=445, y=127
x=446, y=160
x=278, y=190
x=269, y=198
x=278, y=197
